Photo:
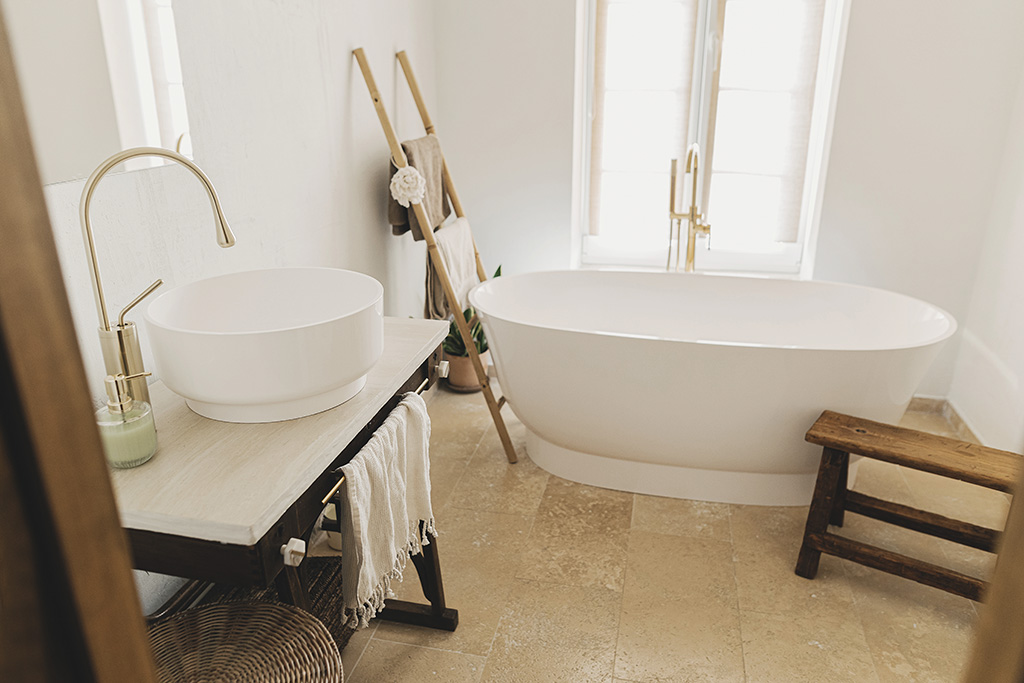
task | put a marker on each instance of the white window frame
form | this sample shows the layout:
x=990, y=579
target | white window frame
x=137, y=59
x=792, y=259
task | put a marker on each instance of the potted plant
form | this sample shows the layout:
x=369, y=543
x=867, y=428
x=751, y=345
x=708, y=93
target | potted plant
x=461, y=373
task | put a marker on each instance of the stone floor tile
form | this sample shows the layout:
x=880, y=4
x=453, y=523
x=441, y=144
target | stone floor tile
x=479, y=553
x=677, y=517
x=551, y=632
x=580, y=508
x=679, y=616
x=593, y=558
x=491, y=483
x=915, y=632
x=457, y=423
x=512, y=662
x=927, y=422
x=355, y=647
x=394, y=662
x=445, y=474
x=579, y=536
x=766, y=545
x=783, y=649
x=573, y=617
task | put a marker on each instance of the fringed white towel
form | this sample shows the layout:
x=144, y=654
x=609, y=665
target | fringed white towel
x=385, y=497
x=455, y=244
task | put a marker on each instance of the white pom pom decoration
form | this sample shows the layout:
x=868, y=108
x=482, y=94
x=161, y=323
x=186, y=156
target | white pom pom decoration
x=408, y=186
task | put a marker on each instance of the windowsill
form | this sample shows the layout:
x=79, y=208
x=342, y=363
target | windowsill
x=774, y=275
x=602, y=255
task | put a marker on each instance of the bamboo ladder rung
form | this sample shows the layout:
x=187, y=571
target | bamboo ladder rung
x=398, y=154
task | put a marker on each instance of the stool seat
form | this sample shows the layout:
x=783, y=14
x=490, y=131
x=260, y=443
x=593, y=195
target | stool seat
x=970, y=462
x=842, y=435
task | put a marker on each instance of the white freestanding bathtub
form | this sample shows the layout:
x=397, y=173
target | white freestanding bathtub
x=698, y=386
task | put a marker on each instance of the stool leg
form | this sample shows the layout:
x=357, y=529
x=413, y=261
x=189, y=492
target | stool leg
x=821, y=509
x=839, y=506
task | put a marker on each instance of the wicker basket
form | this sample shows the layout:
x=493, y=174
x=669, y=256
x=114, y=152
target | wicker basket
x=244, y=642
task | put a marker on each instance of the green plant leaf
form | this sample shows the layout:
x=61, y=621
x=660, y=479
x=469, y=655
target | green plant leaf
x=454, y=345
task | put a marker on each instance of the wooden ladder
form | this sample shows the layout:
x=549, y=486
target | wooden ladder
x=400, y=160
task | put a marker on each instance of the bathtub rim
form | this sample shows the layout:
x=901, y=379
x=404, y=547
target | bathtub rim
x=952, y=324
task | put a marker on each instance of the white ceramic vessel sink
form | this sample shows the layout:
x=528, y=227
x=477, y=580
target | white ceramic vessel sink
x=268, y=345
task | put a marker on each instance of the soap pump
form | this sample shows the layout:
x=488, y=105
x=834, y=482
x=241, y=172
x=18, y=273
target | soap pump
x=126, y=425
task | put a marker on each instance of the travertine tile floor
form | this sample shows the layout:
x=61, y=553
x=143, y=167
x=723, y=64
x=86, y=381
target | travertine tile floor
x=556, y=581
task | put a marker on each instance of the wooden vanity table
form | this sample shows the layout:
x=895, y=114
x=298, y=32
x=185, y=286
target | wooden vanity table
x=218, y=500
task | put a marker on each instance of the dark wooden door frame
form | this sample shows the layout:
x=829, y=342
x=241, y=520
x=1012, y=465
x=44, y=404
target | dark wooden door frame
x=70, y=608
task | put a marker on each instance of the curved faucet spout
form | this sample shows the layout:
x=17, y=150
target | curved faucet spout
x=692, y=163
x=225, y=238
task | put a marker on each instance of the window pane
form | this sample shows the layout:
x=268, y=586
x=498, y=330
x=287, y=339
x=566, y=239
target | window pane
x=642, y=130
x=179, y=112
x=766, y=45
x=756, y=147
x=649, y=45
x=753, y=132
x=744, y=211
x=634, y=207
x=169, y=45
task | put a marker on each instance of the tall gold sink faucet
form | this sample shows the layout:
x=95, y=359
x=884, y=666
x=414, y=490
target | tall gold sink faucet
x=120, y=341
x=694, y=219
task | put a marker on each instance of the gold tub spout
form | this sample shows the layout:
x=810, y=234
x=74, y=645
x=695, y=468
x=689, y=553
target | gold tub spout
x=696, y=225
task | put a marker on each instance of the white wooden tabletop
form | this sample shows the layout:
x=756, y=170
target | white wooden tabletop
x=228, y=482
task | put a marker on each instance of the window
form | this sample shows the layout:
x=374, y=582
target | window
x=748, y=80
x=145, y=75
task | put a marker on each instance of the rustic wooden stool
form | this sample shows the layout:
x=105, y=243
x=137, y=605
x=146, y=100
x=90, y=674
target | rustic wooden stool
x=841, y=435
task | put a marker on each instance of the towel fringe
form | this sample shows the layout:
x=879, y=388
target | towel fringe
x=360, y=617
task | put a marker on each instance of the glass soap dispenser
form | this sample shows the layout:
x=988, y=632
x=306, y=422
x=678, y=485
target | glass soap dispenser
x=126, y=426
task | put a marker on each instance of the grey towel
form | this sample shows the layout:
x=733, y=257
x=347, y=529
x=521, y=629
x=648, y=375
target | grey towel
x=424, y=154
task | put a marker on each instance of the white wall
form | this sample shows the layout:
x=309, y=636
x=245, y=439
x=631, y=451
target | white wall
x=505, y=118
x=62, y=71
x=283, y=125
x=924, y=103
x=988, y=385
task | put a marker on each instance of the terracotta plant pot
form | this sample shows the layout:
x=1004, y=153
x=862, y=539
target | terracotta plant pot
x=461, y=375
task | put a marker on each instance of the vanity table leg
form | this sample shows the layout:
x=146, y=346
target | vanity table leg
x=436, y=614
x=428, y=567
x=292, y=589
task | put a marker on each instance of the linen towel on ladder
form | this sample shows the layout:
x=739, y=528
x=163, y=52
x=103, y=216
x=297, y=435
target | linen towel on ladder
x=424, y=154
x=455, y=243
x=385, y=497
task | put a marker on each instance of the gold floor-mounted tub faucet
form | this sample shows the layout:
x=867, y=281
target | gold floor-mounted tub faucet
x=693, y=217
